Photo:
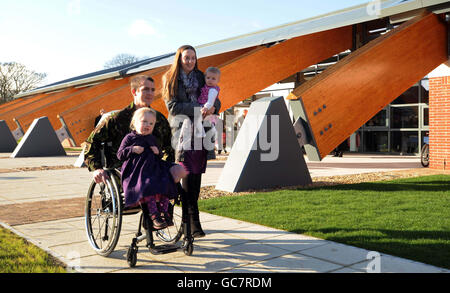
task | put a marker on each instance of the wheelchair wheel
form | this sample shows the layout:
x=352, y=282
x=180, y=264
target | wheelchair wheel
x=173, y=233
x=188, y=249
x=132, y=255
x=103, y=216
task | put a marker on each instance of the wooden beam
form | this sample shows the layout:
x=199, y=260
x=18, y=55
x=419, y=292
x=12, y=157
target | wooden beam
x=19, y=102
x=9, y=104
x=32, y=103
x=67, y=101
x=262, y=67
x=342, y=98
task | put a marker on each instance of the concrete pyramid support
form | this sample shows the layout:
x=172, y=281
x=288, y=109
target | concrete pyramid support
x=7, y=141
x=266, y=153
x=39, y=141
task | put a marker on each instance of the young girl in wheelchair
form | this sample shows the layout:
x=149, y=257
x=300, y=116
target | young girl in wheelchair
x=146, y=178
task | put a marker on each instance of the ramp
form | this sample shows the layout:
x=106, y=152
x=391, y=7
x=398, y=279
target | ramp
x=338, y=101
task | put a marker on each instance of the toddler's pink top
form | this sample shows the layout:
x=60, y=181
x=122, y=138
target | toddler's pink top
x=203, y=98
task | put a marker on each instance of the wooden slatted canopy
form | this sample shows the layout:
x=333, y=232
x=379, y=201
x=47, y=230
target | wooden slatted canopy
x=345, y=96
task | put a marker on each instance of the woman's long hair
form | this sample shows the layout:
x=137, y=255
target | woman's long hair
x=170, y=78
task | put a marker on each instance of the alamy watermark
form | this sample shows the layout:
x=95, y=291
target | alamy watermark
x=374, y=265
x=374, y=8
x=259, y=132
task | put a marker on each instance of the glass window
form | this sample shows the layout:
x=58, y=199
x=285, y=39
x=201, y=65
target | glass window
x=426, y=115
x=260, y=96
x=378, y=120
x=405, y=142
x=375, y=141
x=411, y=96
x=405, y=117
x=424, y=91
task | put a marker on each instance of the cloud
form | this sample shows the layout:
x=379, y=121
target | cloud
x=141, y=27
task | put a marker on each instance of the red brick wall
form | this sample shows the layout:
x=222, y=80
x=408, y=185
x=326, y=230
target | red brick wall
x=439, y=111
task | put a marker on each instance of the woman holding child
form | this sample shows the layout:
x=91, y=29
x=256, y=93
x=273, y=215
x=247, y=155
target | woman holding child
x=181, y=89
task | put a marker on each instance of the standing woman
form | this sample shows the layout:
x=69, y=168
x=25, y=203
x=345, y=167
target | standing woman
x=181, y=89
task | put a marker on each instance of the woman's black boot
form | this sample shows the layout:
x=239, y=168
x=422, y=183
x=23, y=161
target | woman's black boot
x=196, y=227
x=193, y=190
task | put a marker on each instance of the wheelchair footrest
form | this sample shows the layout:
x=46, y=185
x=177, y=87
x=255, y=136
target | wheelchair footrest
x=164, y=248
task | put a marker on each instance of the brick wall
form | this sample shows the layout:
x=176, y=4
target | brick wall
x=439, y=111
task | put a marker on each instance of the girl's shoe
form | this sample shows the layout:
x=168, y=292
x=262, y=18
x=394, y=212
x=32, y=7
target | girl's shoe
x=168, y=220
x=158, y=223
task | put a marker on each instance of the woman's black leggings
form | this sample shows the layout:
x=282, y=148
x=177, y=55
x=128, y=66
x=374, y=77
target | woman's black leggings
x=191, y=185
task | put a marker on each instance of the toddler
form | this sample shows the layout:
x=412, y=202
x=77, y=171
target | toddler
x=208, y=94
x=146, y=178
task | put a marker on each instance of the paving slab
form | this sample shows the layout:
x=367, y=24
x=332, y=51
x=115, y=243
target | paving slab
x=21, y=187
x=298, y=263
x=293, y=242
x=341, y=254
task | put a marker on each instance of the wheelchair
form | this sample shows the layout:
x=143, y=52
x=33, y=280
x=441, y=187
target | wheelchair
x=105, y=208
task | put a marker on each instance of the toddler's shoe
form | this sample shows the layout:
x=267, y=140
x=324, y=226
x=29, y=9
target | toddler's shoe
x=158, y=223
x=168, y=220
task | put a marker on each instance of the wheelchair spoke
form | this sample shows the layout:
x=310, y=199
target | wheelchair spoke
x=172, y=233
x=98, y=235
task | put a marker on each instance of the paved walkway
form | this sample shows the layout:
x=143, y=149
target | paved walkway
x=51, y=216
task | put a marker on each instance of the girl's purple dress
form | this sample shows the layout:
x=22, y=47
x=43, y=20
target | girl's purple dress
x=144, y=174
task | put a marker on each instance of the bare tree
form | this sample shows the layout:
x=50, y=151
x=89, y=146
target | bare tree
x=121, y=59
x=15, y=78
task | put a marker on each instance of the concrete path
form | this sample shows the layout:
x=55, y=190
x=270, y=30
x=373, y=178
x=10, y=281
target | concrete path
x=230, y=245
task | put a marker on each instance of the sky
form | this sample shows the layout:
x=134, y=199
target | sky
x=67, y=38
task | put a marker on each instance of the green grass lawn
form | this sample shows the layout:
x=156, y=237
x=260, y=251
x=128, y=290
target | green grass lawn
x=408, y=218
x=18, y=256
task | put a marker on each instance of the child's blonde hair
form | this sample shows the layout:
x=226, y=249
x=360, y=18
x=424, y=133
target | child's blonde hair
x=214, y=70
x=139, y=113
